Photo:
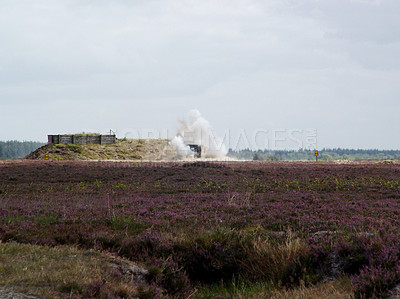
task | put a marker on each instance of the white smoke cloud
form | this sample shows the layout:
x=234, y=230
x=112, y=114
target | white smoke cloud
x=182, y=149
x=198, y=131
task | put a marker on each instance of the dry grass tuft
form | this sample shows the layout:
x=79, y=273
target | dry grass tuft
x=268, y=257
x=340, y=289
x=239, y=200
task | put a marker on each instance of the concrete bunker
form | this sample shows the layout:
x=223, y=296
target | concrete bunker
x=81, y=139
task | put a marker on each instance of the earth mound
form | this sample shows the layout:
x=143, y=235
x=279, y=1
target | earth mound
x=123, y=149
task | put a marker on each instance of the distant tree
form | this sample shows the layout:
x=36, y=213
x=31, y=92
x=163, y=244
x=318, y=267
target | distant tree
x=17, y=149
x=273, y=157
x=325, y=154
x=258, y=157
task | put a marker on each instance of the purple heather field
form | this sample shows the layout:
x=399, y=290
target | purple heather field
x=347, y=214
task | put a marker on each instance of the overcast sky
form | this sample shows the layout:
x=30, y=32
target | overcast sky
x=270, y=70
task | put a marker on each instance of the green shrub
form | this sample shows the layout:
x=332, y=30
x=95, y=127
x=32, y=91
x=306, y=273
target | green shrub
x=75, y=148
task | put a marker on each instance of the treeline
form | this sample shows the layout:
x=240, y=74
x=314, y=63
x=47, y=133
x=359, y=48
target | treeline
x=17, y=149
x=323, y=155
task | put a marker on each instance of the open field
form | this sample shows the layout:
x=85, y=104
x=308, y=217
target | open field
x=202, y=229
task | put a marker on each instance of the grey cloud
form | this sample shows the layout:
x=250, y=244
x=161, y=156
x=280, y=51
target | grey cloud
x=244, y=64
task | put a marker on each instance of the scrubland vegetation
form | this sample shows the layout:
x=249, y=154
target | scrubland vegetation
x=200, y=229
x=123, y=149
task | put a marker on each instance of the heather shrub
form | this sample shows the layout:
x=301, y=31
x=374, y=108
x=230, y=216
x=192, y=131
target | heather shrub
x=351, y=256
x=315, y=262
x=148, y=246
x=108, y=242
x=171, y=277
x=305, y=269
x=212, y=258
x=364, y=251
x=382, y=273
x=372, y=261
x=375, y=281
